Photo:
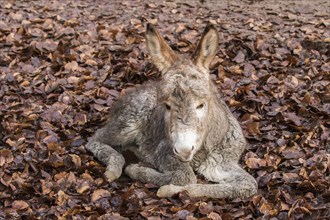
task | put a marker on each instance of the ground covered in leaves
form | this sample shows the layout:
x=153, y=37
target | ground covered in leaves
x=63, y=63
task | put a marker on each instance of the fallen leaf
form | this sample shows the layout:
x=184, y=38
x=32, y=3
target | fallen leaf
x=240, y=57
x=19, y=205
x=76, y=160
x=100, y=193
x=71, y=66
x=6, y=157
x=214, y=216
x=83, y=187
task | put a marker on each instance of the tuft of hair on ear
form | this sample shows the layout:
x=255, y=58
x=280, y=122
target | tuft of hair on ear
x=207, y=47
x=209, y=27
x=161, y=54
x=151, y=28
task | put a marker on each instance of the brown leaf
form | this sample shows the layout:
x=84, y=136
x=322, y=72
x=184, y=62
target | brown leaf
x=214, y=216
x=83, y=187
x=292, y=82
x=235, y=69
x=91, y=62
x=182, y=214
x=253, y=127
x=291, y=177
x=249, y=69
x=256, y=199
x=240, y=57
x=205, y=208
x=100, y=108
x=291, y=116
x=71, y=66
x=20, y=205
x=255, y=163
x=267, y=209
x=273, y=80
x=6, y=157
x=75, y=159
x=181, y=27
x=100, y=193
x=46, y=186
x=292, y=153
x=284, y=206
x=62, y=198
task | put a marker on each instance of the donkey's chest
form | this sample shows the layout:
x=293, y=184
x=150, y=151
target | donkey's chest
x=199, y=158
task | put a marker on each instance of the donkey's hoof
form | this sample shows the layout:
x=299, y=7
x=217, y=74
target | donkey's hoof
x=111, y=176
x=132, y=171
x=168, y=190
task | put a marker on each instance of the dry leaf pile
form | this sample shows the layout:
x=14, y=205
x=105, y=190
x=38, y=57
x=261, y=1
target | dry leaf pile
x=63, y=63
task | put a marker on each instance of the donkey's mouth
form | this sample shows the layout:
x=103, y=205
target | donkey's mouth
x=184, y=159
x=183, y=155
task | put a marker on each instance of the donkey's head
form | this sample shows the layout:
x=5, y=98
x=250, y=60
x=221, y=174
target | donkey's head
x=185, y=90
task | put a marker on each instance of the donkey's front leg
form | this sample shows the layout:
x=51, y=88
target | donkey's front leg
x=98, y=144
x=167, y=168
x=170, y=170
x=108, y=156
x=181, y=176
x=147, y=175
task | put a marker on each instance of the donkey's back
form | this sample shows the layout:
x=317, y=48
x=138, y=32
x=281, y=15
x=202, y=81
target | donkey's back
x=128, y=116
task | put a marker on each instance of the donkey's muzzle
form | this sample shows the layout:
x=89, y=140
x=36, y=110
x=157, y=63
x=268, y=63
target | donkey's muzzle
x=184, y=144
x=184, y=154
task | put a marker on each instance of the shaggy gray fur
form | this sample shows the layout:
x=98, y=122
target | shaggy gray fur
x=144, y=119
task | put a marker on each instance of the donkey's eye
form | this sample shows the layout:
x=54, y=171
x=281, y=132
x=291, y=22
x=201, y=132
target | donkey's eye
x=200, y=106
x=168, y=107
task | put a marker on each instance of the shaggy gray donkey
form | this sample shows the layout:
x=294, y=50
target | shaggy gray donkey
x=180, y=125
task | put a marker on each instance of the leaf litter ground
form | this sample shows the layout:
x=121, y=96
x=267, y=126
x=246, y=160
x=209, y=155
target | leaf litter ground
x=63, y=63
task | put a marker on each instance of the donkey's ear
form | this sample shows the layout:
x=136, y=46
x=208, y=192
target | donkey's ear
x=161, y=54
x=206, y=48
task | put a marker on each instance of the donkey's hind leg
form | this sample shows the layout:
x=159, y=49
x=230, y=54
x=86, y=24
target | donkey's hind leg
x=232, y=182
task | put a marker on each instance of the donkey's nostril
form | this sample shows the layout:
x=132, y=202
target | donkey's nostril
x=176, y=151
x=193, y=147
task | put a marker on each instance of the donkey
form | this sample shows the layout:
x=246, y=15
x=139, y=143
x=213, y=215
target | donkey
x=179, y=125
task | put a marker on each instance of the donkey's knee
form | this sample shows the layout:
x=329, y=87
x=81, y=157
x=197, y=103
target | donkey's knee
x=246, y=187
x=109, y=157
x=103, y=152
